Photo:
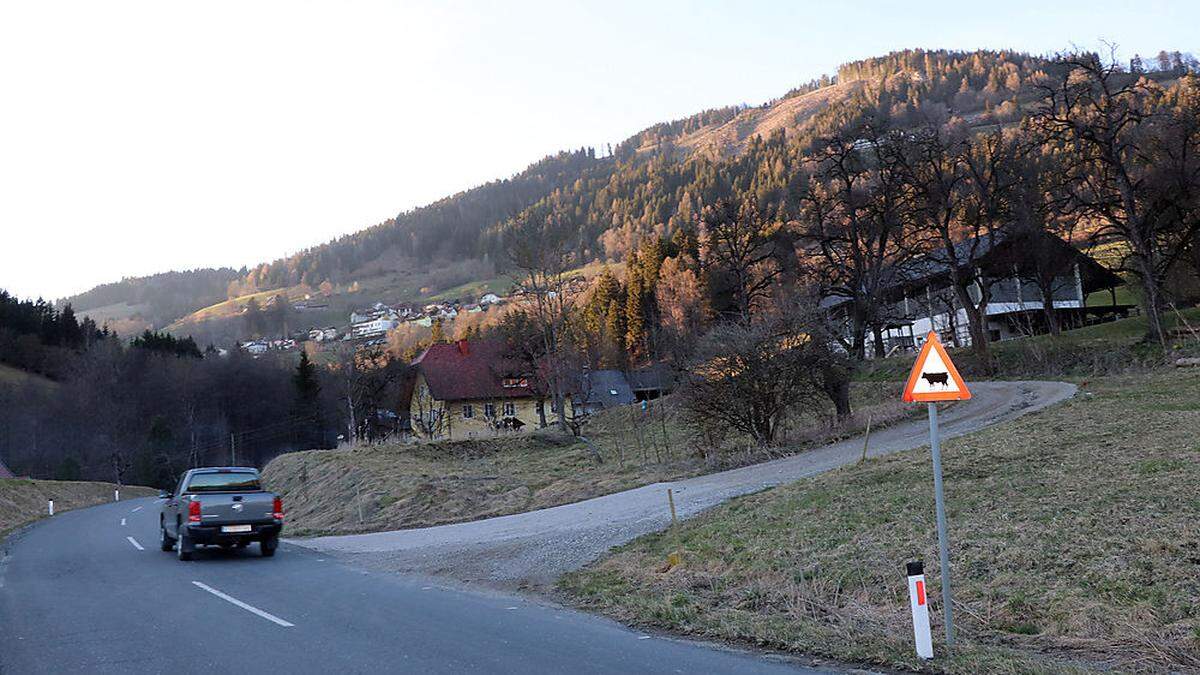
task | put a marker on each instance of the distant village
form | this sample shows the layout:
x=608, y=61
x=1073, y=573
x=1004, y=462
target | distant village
x=369, y=326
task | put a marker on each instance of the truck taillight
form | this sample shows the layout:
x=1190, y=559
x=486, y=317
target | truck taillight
x=193, y=511
x=277, y=509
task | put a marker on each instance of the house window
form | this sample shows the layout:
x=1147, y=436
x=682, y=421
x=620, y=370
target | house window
x=468, y=411
x=489, y=410
x=510, y=409
x=515, y=382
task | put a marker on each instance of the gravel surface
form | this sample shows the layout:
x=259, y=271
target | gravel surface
x=531, y=550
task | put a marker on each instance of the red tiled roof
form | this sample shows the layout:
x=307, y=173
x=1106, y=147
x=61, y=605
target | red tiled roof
x=473, y=369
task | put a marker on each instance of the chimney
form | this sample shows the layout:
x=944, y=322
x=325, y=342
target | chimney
x=462, y=347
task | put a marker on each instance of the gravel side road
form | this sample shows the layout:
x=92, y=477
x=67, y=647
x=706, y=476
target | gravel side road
x=533, y=549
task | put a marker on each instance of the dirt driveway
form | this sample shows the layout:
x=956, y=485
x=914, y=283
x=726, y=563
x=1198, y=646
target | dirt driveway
x=533, y=549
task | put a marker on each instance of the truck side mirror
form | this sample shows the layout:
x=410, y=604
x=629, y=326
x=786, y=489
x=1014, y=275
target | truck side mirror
x=163, y=494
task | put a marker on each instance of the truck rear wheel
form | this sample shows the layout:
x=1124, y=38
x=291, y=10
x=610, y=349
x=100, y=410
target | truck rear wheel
x=166, y=543
x=268, y=545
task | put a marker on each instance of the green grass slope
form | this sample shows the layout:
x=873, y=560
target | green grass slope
x=1073, y=538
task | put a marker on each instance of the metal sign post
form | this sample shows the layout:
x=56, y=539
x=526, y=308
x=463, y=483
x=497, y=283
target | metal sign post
x=943, y=537
x=934, y=378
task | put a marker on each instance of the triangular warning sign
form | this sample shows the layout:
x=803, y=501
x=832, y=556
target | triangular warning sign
x=934, y=377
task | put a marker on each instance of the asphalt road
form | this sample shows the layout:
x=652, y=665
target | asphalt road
x=89, y=591
x=533, y=549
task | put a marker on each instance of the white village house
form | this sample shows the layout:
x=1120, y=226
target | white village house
x=373, y=327
x=322, y=334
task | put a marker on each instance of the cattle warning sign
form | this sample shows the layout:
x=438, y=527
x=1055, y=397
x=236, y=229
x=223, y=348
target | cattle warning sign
x=934, y=377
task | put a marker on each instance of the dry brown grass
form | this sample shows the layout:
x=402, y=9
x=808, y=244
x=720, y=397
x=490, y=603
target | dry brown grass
x=15, y=376
x=786, y=115
x=398, y=485
x=23, y=501
x=1074, y=536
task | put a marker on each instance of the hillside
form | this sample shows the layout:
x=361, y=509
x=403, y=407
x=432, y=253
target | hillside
x=16, y=377
x=651, y=185
x=23, y=501
x=1073, y=543
x=132, y=305
x=405, y=485
x=785, y=116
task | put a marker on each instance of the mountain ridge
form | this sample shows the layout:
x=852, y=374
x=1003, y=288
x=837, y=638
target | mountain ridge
x=652, y=184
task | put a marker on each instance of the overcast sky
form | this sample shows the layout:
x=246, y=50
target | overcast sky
x=138, y=137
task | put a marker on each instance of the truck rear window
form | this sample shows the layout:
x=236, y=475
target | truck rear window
x=233, y=481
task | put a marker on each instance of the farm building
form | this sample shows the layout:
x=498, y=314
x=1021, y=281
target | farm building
x=651, y=382
x=600, y=390
x=1018, y=272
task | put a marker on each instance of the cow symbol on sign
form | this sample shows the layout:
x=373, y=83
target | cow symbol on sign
x=937, y=378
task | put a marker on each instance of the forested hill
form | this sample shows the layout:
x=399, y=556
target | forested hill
x=656, y=179
x=157, y=300
x=448, y=228
x=655, y=182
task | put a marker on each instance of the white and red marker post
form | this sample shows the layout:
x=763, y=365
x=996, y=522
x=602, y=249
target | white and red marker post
x=920, y=609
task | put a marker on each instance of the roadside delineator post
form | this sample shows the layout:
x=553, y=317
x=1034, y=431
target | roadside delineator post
x=673, y=558
x=50, y=507
x=934, y=378
x=920, y=609
x=117, y=495
x=866, y=440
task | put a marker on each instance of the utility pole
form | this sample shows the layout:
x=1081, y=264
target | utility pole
x=232, y=450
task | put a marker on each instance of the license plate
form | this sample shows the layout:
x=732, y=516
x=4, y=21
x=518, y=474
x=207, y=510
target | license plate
x=231, y=529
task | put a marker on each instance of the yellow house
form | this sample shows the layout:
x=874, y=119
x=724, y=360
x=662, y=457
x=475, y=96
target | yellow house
x=471, y=389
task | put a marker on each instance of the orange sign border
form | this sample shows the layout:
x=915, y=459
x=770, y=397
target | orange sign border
x=932, y=342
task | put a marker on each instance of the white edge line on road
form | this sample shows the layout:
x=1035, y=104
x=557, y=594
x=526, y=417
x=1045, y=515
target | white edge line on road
x=122, y=522
x=135, y=544
x=249, y=608
x=136, y=510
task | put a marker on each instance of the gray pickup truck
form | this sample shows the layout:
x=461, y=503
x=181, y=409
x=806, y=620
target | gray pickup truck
x=222, y=506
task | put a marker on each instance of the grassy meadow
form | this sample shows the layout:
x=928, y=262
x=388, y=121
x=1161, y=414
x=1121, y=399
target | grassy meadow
x=404, y=485
x=1074, y=544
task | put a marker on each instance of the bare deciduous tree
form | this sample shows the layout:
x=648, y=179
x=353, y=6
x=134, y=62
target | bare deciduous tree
x=855, y=221
x=748, y=377
x=543, y=251
x=1131, y=167
x=740, y=246
x=960, y=185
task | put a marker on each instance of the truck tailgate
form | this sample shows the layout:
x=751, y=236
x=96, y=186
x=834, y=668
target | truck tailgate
x=224, y=508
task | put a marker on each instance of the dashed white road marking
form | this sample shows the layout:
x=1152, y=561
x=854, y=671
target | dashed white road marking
x=643, y=637
x=122, y=522
x=249, y=608
x=136, y=510
x=135, y=543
